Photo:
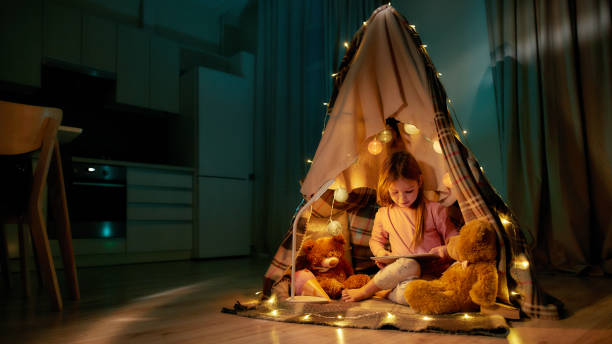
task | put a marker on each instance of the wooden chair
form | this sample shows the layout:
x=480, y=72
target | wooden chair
x=25, y=128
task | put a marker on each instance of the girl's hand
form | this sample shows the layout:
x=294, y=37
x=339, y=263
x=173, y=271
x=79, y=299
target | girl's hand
x=439, y=251
x=381, y=264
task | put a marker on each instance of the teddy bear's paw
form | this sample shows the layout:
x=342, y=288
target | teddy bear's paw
x=332, y=287
x=429, y=298
x=356, y=281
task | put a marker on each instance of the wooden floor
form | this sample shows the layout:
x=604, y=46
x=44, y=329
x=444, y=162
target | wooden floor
x=180, y=302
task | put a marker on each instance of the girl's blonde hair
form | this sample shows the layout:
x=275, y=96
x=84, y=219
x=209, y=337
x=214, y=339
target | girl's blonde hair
x=402, y=165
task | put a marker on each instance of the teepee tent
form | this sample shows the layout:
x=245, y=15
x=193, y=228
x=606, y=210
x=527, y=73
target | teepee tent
x=387, y=97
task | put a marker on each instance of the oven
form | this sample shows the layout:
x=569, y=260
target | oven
x=97, y=200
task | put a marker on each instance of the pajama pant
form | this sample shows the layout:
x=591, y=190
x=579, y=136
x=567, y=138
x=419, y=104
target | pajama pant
x=397, y=276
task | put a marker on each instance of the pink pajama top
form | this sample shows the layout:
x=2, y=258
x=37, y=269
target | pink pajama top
x=392, y=225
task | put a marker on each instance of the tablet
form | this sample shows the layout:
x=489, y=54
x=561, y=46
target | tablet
x=419, y=256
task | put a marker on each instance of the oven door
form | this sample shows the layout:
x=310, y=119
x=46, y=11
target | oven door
x=97, y=201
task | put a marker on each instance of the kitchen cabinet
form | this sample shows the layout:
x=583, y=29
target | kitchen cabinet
x=21, y=35
x=164, y=81
x=62, y=27
x=159, y=210
x=99, y=49
x=133, y=66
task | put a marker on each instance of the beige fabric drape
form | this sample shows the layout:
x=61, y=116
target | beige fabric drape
x=553, y=81
x=387, y=78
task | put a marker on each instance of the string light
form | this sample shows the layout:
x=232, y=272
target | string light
x=423, y=46
x=436, y=147
x=385, y=136
x=426, y=318
x=449, y=101
x=274, y=312
x=325, y=104
x=346, y=45
x=466, y=316
x=464, y=131
x=513, y=293
x=339, y=316
x=308, y=161
x=272, y=300
x=375, y=147
x=390, y=316
x=439, y=74
x=365, y=23
x=413, y=27
x=340, y=195
x=306, y=317
x=334, y=75
x=482, y=169
x=411, y=129
x=521, y=262
x=504, y=220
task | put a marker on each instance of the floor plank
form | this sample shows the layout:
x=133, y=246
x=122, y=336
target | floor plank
x=180, y=302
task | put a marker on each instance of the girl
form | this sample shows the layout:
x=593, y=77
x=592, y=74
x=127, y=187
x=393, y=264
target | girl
x=409, y=224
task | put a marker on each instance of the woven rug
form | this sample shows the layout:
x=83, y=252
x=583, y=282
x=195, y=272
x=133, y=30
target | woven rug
x=372, y=314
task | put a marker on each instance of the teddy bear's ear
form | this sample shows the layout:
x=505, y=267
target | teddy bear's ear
x=307, y=246
x=339, y=239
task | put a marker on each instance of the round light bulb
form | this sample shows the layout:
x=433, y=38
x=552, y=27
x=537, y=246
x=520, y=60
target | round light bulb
x=446, y=180
x=334, y=228
x=411, y=129
x=375, y=147
x=436, y=147
x=385, y=136
x=341, y=195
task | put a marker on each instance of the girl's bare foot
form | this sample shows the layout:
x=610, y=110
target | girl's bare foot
x=352, y=295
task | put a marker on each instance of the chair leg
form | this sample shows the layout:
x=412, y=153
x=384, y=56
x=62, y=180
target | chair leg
x=59, y=206
x=24, y=244
x=45, y=259
x=4, y=260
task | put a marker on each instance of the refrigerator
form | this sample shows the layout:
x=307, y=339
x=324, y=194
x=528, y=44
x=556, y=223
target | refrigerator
x=223, y=108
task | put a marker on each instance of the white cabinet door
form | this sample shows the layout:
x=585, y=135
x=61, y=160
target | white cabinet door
x=225, y=124
x=225, y=217
x=21, y=41
x=165, y=68
x=63, y=28
x=133, y=66
x=99, y=43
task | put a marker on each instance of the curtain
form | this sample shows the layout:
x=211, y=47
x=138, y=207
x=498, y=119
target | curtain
x=552, y=70
x=299, y=46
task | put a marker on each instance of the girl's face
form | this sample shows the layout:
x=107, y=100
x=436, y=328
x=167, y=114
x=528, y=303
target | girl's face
x=404, y=192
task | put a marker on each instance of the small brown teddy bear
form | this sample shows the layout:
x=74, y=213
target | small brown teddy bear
x=467, y=284
x=325, y=258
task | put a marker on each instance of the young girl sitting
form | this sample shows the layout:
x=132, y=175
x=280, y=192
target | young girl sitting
x=409, y=224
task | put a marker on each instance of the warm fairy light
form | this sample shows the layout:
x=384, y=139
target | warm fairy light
x=308, y=161
x=504, y=220
x=390, y=316
x=385, y=136
x=482, y=169
x=346, y=45
x=334, y=75
x=466, y=316
x=439, y=74
x=521, y=263
x=513, y=293
x=464, y=131
x=274, y=313
x=306, y=317
x=325, y=104
x=446, y=180
x=365, y=23
x=413, y=27
x=436, y=147
x=449, y=101
x=272, y=299
x=411, y=129
x=427, y=318
x=339, y=316
x=341, y=195
x=423, y=45
x=322, y=132
x=375, y=147
x=257, y=293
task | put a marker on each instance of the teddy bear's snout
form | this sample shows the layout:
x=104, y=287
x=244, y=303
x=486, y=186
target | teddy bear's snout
x=330, y=262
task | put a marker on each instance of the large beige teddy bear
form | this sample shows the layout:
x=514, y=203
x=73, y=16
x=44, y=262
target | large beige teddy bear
x=467, y=284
